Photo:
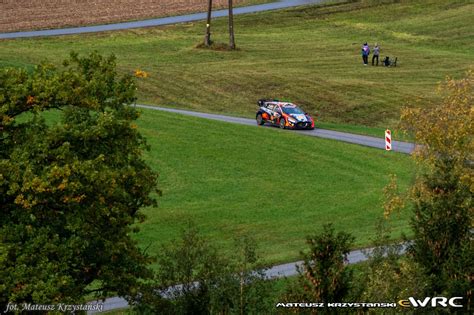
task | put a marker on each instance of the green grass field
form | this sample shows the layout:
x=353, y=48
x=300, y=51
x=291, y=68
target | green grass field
x=274, y=185
x=309, y=55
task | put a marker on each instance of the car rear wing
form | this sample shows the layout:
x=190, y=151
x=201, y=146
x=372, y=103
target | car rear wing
x=261, y=102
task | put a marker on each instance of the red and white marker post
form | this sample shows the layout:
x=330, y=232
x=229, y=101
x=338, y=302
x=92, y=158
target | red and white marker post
x=388, y=140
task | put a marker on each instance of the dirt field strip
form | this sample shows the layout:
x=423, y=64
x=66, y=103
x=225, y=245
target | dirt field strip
x=19, y=15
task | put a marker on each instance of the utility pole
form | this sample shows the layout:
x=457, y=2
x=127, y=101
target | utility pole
x=231, y=26
x=207, y=38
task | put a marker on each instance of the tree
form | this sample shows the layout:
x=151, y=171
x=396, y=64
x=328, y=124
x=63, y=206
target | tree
x=231, y=26
x=442, y=194
x=193, y=268
x=253, y=291
x=207, y=37
x=388, y=275
x=323, y=276
x=195, y=278
x=72, y=181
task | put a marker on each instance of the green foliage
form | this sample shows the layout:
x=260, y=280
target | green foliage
x=389, y=276
x=442, y=240
x=194, y=278
x=70, y=190
x=324, y=276
x=195, y=266
x=253, y=294
x=442, y=194
x=441, y=260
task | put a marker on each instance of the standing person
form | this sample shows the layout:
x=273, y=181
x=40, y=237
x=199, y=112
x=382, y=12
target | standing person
x=365, y=54
x=376, y=54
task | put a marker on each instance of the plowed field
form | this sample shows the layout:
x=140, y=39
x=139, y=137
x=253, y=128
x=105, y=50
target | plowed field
x=17, y=15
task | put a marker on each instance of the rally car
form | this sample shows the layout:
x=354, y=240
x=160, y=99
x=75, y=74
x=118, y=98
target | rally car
x=283, y=114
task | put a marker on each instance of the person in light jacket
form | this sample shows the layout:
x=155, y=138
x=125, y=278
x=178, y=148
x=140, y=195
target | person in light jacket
x=376, y=54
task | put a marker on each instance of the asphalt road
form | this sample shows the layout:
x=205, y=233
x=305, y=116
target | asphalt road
x=160, y=21
x=379, y=143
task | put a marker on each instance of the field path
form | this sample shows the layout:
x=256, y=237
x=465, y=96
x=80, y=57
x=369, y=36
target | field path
x=160, y=21
x=379, y=143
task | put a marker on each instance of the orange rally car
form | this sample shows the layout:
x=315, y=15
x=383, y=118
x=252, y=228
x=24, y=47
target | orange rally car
x=283, y=114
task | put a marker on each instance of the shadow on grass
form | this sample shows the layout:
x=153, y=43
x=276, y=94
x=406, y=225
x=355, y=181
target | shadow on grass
x=216, y=47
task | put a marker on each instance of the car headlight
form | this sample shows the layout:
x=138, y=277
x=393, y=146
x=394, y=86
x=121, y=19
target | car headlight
x=292, y=120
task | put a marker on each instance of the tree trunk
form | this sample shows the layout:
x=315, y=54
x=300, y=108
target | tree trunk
x=207, y=38
x=231, y=26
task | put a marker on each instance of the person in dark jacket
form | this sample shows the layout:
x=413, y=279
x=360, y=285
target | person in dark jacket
x=376, y=54
x=365, y=53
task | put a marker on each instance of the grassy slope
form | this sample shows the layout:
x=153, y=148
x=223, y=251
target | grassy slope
x=275, y=185
x=308, y=55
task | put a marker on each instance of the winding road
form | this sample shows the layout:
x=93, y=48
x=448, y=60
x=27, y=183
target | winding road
x=379, y=143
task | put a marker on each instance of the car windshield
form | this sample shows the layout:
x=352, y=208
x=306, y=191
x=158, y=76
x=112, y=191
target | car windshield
x=292, y=110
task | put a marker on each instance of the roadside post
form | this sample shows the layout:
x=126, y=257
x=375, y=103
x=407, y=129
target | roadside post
x=388, y=140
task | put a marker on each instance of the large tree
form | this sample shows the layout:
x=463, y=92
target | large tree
x=72, y=181
x=443, y=192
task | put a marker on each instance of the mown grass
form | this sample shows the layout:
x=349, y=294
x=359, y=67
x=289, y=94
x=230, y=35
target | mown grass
x=309, y=55
x=274, y=185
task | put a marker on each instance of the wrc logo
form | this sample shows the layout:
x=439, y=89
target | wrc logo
x=435, y=301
